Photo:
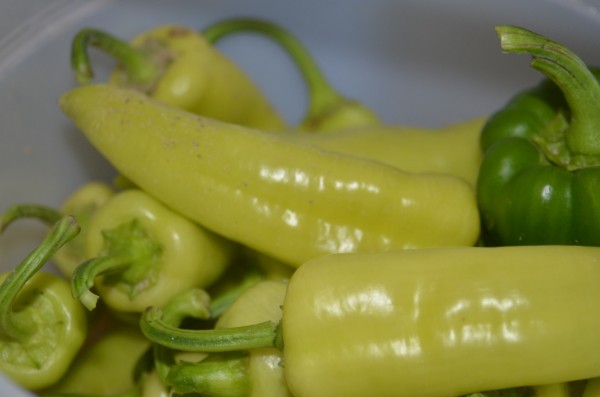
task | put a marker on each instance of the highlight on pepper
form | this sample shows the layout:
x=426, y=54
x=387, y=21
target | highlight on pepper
x=234, y=256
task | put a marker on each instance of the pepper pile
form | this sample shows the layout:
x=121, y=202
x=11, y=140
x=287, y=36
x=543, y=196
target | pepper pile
x=239, y=256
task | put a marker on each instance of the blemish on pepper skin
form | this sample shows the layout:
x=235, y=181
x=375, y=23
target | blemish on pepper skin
x=168, y=142
x=178, y=31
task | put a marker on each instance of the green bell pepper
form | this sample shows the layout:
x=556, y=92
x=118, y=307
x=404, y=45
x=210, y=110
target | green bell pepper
x=539, y=177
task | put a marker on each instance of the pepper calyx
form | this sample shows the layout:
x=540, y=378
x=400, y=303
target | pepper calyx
x=130, y=261
x=12, y=325
x=218, y=375
x=551, y=141
x=577, y=83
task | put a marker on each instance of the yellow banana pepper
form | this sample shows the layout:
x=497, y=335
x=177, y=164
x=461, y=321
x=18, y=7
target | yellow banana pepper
x=176, y=65
x=430, y=322
x=452, y=150
x=288, y=200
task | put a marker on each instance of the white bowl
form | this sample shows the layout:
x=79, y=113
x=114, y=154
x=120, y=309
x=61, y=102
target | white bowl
x=415, y=62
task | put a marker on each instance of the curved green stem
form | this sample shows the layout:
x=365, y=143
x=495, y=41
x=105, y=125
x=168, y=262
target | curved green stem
x=140, y=68
x=193, y=303
x=209, y=341
x=17, y=327
x=46, y=214
x=321, y=93
x=327, y=109
x=571, y=75
x=128, y=251
x=221, y=302
x=219, y=377
x=84, y=275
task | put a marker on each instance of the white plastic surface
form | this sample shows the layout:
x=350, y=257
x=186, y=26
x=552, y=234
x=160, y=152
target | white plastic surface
x=424, y=62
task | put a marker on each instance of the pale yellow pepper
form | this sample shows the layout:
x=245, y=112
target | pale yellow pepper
x=451, y=150
x=289, y=200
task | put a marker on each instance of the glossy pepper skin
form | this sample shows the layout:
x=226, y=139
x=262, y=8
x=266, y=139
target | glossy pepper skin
x=337, y=123
x=106, y=367
x=262, y=302
x=144, y=253
x=439, y=315
x=540, y=175
x=452, y=150
x=82, y=204
x=444, y=321
x=176, y=65
x=42, y=327
x=291, y=201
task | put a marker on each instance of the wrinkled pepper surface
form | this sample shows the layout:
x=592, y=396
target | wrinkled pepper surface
x=540, y=175
x=291, y=201
x=143, y=253
x=178, y=66
x=327, y=109
x=42, y=327
x=431, y=322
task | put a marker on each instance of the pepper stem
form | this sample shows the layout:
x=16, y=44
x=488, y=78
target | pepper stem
x=255, y=336
x=325, y=103
x=139, y=66
x=129, y=253
x=84, y=275
x=193, y=303
x=17, y=327
x=221, y=302
x=46, y=214
x=216, y=376
x=572, y=76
